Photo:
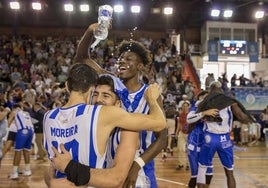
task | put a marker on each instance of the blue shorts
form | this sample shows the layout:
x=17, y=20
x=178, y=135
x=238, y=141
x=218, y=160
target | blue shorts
x=150, y=173
x=219, y=143
x=24, y=139
x=194, y=143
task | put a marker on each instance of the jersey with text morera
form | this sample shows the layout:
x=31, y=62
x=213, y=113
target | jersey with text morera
x=76, y=127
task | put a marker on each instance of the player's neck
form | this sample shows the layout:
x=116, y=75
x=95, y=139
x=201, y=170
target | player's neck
x=133, y=84
x=76, y=98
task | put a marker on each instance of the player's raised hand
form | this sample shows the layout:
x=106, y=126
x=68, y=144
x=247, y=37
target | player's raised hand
x=153, y=92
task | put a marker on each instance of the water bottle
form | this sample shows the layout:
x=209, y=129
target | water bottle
x=104, y=20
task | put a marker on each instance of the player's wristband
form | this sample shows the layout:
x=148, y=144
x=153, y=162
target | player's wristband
x=140, y=161
x=77, y=173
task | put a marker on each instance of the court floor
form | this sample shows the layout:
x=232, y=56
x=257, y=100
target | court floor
x=251, y=171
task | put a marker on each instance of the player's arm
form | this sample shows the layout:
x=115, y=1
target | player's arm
x=155, y=121
x=4, y=113
x=149, y=154
x=11, y=117
x=82, y=51
x=193, y=117
x=112, y=177
x=125, y=152
x=82, y=175
x=240, y=115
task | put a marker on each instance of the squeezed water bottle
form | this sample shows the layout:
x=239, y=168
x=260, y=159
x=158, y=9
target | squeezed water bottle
x=104, y=20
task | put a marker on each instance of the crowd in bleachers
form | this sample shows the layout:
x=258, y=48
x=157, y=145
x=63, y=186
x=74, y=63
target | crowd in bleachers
x=35, y=69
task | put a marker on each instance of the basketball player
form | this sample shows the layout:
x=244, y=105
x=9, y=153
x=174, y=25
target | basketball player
x=133, y=59
x=217, y=132
x=196, y=139
x=121, y=140
x=23, y=140
x=104, y=94
x=79, y=125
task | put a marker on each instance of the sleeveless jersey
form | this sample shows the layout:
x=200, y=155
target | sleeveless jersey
x=135, y=102
x=23, y=120
x=221, y=127
x=76, y=127
x=25, y=130
x=140, y=106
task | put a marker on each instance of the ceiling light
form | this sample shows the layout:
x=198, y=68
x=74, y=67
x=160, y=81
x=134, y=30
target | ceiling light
x=135, y=9
x=168, y=10
x=84, y=8
x=228, y=13
x=259, y=14
x=215, y=13
x=36, y=6
x=14, y=5
x=118, y=8
x=68, y=7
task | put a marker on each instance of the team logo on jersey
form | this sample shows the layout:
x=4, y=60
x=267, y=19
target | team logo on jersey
x=223, y=138
x=63, y=120
x=24, y=131
x=207, y=139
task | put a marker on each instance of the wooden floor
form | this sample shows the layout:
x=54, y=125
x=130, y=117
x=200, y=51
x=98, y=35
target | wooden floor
x=251, y=171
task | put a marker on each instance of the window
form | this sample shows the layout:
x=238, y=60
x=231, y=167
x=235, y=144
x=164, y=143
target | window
x=225, y=34
x=250, y=35
x=214, y=33
x=238, y=34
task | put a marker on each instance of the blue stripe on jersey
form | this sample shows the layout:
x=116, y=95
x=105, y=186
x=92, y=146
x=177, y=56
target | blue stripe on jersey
x=147, y=136
x=92, y=156
x=112, y=146
x=54, y=113
x=44, y=139
x=80, y=110
x=145, y=109
x=118, y=135
x=138, y=98
x=230, y=115
x=46, y=147
x=112, y=142
x=19, y=119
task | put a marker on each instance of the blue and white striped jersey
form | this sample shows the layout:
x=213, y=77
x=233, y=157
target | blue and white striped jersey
x=76, y=127
x=23, y=120
x=135, y=102
x=221, y=127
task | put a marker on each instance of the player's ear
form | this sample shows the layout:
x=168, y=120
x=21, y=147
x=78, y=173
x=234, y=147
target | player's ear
x=90, y=95
x=66, y=87
x=118, y=103
x=140, y=66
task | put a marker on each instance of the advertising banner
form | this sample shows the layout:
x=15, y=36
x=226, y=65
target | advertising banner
x=253, y=98
x=253, y=52
x=212, y=50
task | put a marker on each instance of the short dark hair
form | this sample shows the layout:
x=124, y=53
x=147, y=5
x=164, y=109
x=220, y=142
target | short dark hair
x=81, y=77
x=107, y=80
x=202, y=93
x=138, y=48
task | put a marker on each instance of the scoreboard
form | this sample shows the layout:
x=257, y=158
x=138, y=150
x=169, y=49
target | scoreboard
x=233, y=47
